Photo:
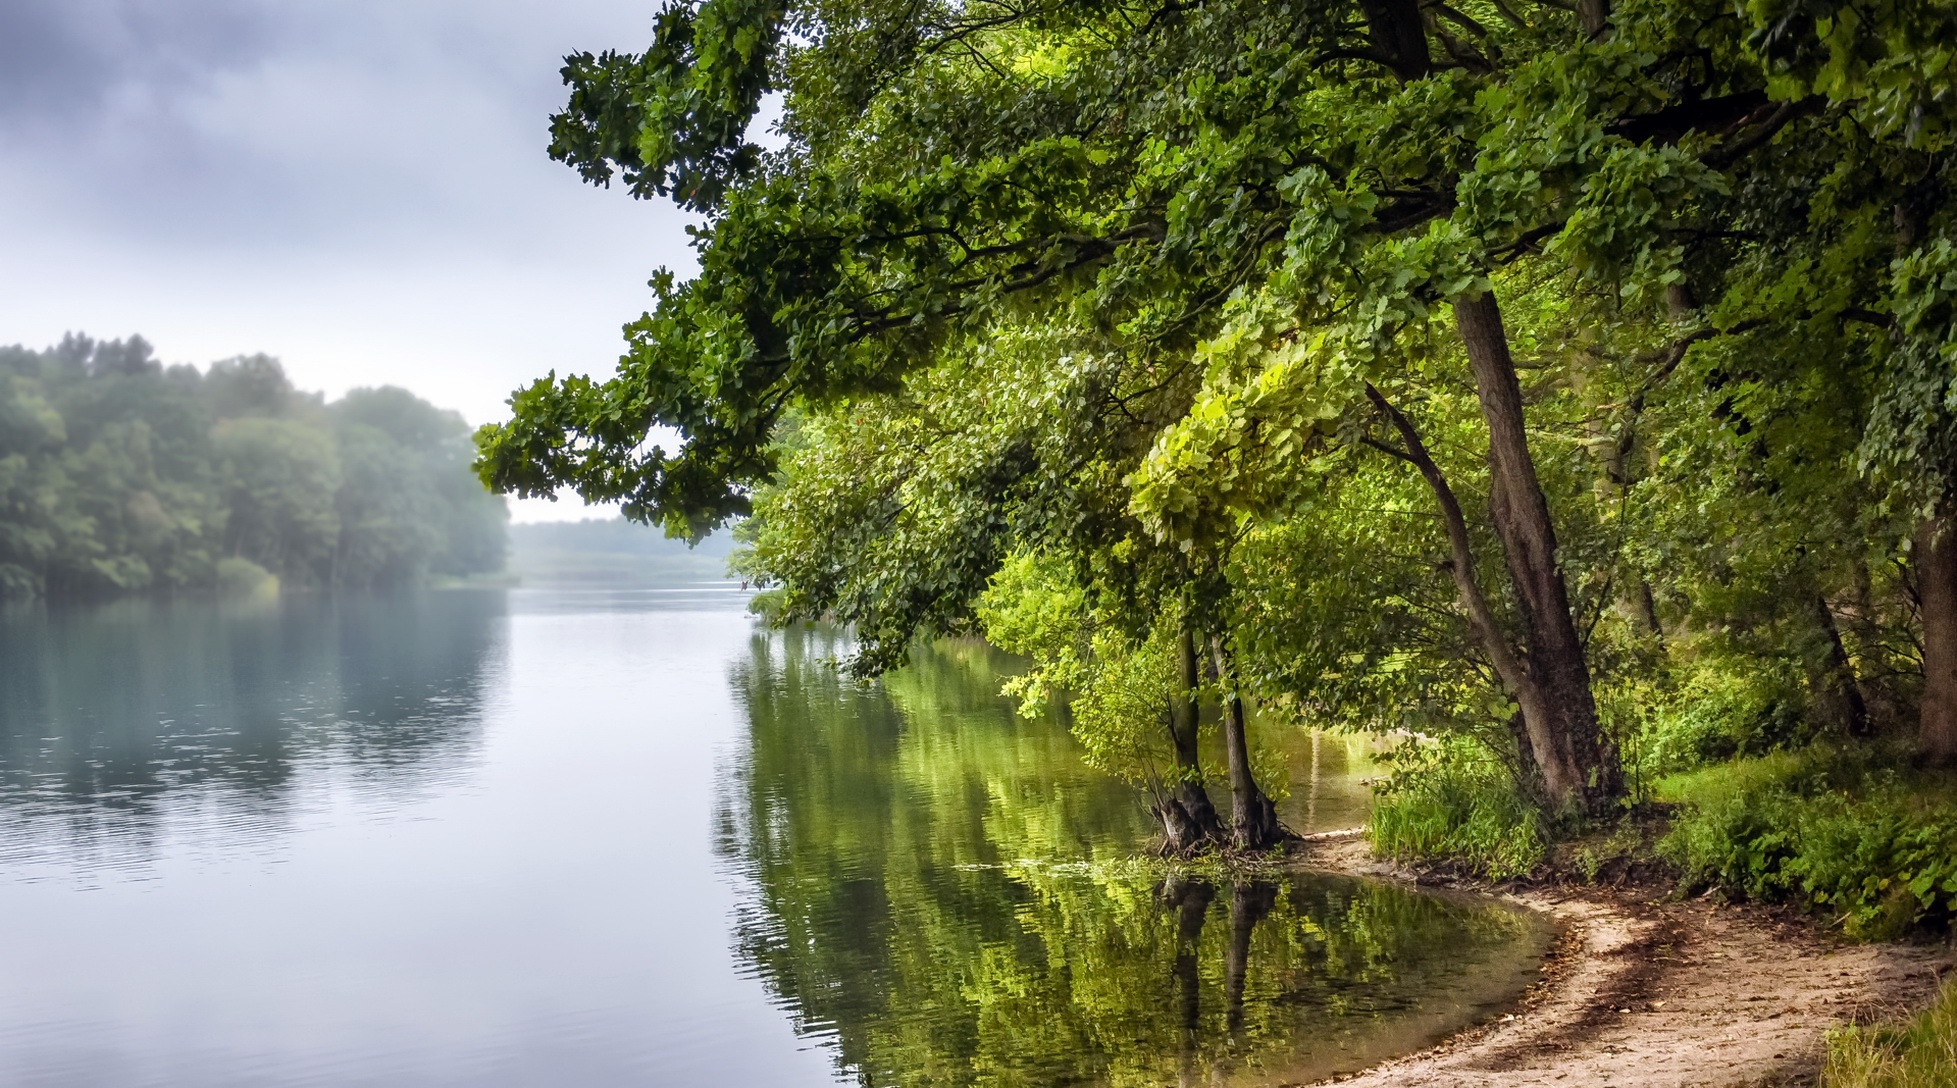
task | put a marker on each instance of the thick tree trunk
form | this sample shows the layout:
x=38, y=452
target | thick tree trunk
x=1837, y=694
x=1936, y=589
x=1569, y=745
x=1400, y=35
x=1528, y=773
x=1180, y=834
x=1253, y=819
x=1552, y=765
x=1593, y=16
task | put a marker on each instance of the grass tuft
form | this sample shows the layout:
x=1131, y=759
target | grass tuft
x=1450, y=801
x=1919, y=1054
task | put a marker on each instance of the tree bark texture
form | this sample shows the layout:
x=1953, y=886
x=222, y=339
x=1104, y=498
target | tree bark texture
x=1180, y=835
x=1593, y=16
x=1559, y=779
x=1400, y=35
x=1578, y=767
x=1936, y=588
x=1185, y=723
x=1253, y=819
x=1189, y=819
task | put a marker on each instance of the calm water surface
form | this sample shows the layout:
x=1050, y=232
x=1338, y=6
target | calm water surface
x=595, y=838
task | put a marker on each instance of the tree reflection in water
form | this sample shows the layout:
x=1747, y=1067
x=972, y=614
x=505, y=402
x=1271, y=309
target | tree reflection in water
x=119, y=718
x=943, y=893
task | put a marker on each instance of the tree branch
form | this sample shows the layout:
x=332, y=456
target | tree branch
x=1634, y=407
x=1727, y=154
x=1481, y=618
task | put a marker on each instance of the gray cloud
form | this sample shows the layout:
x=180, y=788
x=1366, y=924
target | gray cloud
x=333, y=122
x=357, y=186
x=62, y=61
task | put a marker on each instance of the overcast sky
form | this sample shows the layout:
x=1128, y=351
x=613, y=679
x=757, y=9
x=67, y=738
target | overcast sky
x=358, y=187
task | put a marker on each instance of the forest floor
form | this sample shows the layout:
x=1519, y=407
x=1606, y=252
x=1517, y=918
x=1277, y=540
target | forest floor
x=1645, y=991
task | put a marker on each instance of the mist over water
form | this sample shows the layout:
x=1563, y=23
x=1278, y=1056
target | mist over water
x=601, y=836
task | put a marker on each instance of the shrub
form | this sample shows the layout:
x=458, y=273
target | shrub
x=1717, y=714
x=1452, y=800
x=1834, y=831
x=244, y=578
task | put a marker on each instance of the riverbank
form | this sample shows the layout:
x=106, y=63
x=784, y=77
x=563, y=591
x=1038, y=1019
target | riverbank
x=1647, y=992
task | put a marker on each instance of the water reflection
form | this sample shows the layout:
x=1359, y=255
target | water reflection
x=123, y=722
x=939, y=891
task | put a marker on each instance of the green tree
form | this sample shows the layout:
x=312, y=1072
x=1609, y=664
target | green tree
x=408, y=504
x=119, y=474
x=279, y=478
x=1476, y=245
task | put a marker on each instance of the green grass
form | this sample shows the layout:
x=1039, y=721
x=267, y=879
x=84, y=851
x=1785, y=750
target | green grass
x=1919, y=1054
x=1850, y=832
x=1449, y=801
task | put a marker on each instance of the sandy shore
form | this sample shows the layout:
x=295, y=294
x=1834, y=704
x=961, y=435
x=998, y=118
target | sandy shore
x=1643, y=991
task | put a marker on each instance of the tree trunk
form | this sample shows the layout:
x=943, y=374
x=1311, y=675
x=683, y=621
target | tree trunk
x=1400, y=36
x=1593, y=16
x=1578, y=767
x=1936, y=589
x=1180, y=835
x=1837, y=694
x=1528, y=773
x=1253, y=819
x=1183, y=727
x=1646, y=607
x=1553, y=765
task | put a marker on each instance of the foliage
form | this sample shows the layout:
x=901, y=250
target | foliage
x=243, y=578
x=1718, y=714
x=892, y=512
x=1170, y=296
x=1842, y=832
x=118, y=474
x=1449, y=801
x=1120, y=688
x=1371, y=645
x=1921, y=1053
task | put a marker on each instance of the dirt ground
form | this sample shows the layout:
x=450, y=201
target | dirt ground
x=1644, y=991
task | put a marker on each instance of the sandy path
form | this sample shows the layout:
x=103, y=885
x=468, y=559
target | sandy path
x=1646, y=992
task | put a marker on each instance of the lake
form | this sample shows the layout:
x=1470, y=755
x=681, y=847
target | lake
x=599, y=836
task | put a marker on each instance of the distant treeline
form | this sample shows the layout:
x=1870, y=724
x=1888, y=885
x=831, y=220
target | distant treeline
x=119, y=474
x=613, y=550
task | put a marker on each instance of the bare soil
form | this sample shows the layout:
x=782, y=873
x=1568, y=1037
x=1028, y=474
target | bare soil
x=1648, y=992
